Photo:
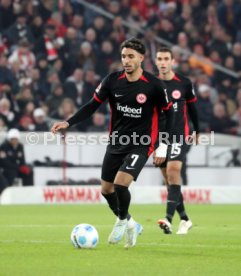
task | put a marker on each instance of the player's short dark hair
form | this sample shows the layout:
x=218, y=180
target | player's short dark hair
x=135, y=44
x=165, y=50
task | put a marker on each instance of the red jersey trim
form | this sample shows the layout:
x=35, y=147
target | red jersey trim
x=176, y=78
x=144, y=79
x=193, y=100
x=167, y=107
x=186, y=126
x=111, y=124
x=154, y=131
x=122, y=76
x=97, y=99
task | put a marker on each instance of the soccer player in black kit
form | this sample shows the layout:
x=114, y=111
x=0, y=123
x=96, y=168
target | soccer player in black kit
x=135, y=96
x=182, y=94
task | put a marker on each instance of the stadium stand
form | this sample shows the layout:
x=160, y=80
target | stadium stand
x=53, y=50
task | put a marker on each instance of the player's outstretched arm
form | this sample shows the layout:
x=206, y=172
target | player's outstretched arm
x=84, y=113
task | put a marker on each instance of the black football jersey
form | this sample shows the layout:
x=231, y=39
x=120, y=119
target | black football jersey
x=134, y=109
x=181, y=92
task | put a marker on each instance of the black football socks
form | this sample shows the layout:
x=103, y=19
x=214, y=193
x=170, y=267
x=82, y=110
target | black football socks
x=113, y=203
x=181, y=209
x=124, y=198
x=173, y=198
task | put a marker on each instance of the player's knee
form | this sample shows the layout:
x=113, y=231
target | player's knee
x=107, y=187
x=173, y=175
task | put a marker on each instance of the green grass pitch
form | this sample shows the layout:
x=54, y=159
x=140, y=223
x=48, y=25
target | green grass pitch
x=35, y=240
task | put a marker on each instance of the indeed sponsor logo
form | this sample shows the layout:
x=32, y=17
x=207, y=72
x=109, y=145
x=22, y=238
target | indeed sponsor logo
x=129, y=110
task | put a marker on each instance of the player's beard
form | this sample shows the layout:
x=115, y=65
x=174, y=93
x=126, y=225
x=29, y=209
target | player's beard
x=132, y=71
x=129, y=72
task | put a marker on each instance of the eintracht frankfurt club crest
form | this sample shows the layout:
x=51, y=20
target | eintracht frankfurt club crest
x=141, y=98
x=176, y=94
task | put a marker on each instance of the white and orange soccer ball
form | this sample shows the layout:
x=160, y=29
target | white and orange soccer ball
x=84, y=236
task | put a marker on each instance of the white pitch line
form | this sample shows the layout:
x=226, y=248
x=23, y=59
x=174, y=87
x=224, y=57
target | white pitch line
x=138, y=245
x=30, y=241
x=190, y=245
x=45, y=225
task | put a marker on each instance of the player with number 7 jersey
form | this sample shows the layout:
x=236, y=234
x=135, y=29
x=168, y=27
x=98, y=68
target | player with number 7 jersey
x=135, y=97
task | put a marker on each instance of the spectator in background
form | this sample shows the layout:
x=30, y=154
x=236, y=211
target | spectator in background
x=58, y=68
x=24, y=96
x=72, y=42
x=98, y=123
x=23, y=55
x=51, y=80
x=204, y=107
x=7, y=115
x=36, y=85
x=8, y=82
x=3, y=124
x=105, y=59
x=74, y=85
x=50, y=44
x=42, y=65
x=228, y=13
x=202, y=64
x=167, y=30
x=90, y=36
x=226, y=83
x=57, y=20
x=65, y=111
x=236, y=53
x=26, y=123
x=229, y=104
x=13, y=159
x=6, y=14
x=119, y=30
x=77, y=23
x=56, y=98
x=19, y=30
x=90, y=83
x=101, y=28
x=39, y=117
x=86, y=58
x=218, y=42
x=220, y=122
x=26, y=120
x=45, y=9
x=37, y=27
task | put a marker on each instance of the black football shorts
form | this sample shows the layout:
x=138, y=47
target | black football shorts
x=175, y=152
x=131, y=163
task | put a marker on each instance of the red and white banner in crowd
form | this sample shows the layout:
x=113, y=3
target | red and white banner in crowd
x=140, y=195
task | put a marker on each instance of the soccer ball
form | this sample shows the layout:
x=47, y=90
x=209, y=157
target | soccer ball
x=84, y=236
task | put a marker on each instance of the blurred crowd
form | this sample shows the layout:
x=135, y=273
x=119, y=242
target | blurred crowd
x=53, y=54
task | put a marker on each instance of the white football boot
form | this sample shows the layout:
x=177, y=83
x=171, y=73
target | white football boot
x=184, y=227
x=118, y=231
x=132, y=231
